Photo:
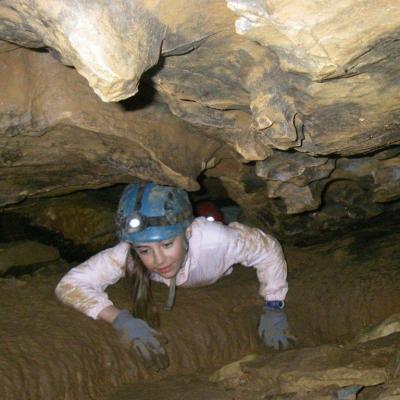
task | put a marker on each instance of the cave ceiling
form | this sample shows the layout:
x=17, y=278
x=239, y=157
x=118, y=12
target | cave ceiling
x=288, y=103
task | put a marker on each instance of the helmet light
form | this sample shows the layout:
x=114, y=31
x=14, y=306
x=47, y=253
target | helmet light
x=134, y=223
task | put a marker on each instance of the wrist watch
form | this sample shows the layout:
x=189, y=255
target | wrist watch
x=275, y=304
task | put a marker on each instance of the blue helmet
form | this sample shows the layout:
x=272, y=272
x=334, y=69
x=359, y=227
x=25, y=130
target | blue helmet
x=151, y=213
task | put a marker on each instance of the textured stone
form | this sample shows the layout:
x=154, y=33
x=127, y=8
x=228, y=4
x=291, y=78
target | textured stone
x=83, y=218
x=390, y=391
x=386, y=327
x=297, y=199
x=297, y=168
x=61, y=138
x=320, y=372
x=65, y=346
x=303, y=31
x=387, y=180
x=291, y=178
x=343, y=58
x=111, y=45
x=310, y=81
x=234, y=374
x=25, y=253
x=331, y=297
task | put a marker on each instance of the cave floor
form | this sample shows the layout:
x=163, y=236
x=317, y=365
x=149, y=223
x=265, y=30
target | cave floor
x=49, y=351
x=193, y=387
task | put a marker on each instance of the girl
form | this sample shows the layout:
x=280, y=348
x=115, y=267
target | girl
x=160, y=241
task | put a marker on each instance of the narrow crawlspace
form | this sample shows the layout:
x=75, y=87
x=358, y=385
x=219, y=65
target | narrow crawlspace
x=199, y=200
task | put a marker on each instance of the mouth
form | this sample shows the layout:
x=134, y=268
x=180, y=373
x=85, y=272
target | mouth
x=164, y=270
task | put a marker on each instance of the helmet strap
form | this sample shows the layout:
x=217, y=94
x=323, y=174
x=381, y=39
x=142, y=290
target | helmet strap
x=139, y=197
x=171, y=295
x=172, y=286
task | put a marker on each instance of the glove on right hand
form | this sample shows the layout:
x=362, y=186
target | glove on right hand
x=274, y=330
x=145, y=340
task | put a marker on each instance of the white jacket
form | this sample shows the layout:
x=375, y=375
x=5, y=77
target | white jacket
x=213, y=250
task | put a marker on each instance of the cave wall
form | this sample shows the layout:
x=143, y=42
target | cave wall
x=294, y=106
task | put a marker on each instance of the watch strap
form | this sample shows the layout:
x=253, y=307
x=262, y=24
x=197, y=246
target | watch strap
x=275, y=304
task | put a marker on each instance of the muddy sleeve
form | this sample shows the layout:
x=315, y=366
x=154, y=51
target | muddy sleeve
x=253, y=247
x=83, y=287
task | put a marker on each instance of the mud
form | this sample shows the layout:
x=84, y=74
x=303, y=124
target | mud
x=344, y=286
x=194, y=386
x=51, y=352
x=48, y=351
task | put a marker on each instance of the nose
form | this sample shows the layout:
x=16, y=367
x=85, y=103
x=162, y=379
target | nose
x=159, y=257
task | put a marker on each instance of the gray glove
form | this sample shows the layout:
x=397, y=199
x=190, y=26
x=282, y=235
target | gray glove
x=273, y=328
x=145, y=340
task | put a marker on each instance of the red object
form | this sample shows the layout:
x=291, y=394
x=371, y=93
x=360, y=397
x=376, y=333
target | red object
x=209, y=210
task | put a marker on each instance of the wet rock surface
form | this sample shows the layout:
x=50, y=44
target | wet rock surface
x=335, y=293
x=316, y=371
x=296, y=98
x=78, y=358
x=46, y=123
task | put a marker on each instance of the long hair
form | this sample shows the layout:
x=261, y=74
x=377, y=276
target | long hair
x=144, y=306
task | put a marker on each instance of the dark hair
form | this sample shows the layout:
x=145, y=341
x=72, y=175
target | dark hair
x=144, y=306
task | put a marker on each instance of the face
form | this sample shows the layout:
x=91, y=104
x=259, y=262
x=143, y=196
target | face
x=164, y=258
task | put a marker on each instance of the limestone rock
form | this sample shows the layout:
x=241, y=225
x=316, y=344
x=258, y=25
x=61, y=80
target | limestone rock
x=61, y=138
x=326, y=46
x=291, y=178
x=325, y=366
x=111, y=45
x=303, y=32
x=297, y=199
x=386, y=327
x=297, y=168
x=382, y=168
x=82, y=218
x=291, y=183
x=390, y=391
x=324, y=372
x=234, y=374
x=318, y=84
x=394, y=367
x=387, y=180
x=25, y=253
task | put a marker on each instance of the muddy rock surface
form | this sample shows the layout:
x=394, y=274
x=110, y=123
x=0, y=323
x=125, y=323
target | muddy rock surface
x=50, y=351
x=316, y=372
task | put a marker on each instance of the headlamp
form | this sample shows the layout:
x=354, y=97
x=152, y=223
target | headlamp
x=210, y=218
x=136, y=223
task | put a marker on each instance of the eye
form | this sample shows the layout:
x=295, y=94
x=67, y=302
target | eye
x=143, y=252
x=168, y=244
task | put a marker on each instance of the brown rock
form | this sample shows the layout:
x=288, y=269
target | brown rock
x=387, y=327
x=25, y=253
x=62, y=138
x=89, y=36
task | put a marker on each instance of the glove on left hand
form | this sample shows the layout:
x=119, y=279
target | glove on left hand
x=273, y=328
